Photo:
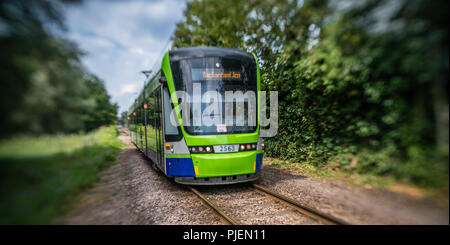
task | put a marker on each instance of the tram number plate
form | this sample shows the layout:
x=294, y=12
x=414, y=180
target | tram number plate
x=226, y=148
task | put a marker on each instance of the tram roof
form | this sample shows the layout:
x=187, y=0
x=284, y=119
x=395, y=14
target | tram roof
x=199, y=52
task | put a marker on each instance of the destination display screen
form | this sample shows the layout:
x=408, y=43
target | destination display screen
x=214, y=74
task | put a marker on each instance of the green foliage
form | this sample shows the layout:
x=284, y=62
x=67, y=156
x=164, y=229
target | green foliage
x=424, y=167
x=103, y=112
x=40, y=175
x=208, y=23
x=367, y=81
x=44, y=87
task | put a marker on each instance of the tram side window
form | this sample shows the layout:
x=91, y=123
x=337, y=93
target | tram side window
x=170, y=129
x=138, y=115
x=141, y=116
x=172, y=132
x=151, y=117
x=154, y=118
x=158, y=109
x=146, y=111
x=133, y=120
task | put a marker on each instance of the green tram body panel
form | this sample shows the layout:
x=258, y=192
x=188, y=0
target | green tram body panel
x=151, y=139
x=223, y=164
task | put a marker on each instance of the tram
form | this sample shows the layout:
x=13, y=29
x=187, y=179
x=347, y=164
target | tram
x=184, y=147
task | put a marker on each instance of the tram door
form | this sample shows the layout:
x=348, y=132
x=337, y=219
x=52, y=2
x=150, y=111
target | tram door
x=159, y=131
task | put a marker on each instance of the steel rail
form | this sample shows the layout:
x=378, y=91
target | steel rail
x=214, y=206
x=325, y=218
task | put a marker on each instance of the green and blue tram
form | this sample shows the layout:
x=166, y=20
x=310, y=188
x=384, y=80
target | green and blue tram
x=195, y=154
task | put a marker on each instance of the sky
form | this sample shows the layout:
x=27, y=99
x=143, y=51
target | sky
x=122, y=38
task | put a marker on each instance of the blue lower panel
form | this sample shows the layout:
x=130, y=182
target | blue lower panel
x=180, y=167
x=259, y=157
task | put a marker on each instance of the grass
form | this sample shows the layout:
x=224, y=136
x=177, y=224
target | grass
x=356, y=179
x=40, y=176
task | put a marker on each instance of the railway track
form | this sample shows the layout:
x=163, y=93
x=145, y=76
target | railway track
x=214, y=206
x=303, y=209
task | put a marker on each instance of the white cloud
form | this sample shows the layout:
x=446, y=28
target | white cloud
x=129, y=88
x=122, y=38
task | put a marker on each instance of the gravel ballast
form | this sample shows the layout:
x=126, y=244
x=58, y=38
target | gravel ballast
x=132, y=192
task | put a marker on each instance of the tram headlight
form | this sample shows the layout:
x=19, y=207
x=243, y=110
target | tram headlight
x=201, y=149
x=247, y=147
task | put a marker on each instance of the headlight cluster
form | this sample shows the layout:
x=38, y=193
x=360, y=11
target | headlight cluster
x=201, y=149
x=210, y=148
x=247, y=147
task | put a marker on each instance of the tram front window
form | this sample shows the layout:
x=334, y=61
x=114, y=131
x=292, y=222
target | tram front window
x=207, y=81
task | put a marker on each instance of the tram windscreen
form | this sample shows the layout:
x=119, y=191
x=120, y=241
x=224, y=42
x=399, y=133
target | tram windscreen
x=222, y=94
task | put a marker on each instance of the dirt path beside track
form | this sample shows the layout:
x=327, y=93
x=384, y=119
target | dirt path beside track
x=355, y=205
x=132, y=192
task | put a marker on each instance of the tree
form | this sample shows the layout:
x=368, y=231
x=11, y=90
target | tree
x=45, y=89
x=102, y=112
x=367, y=76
